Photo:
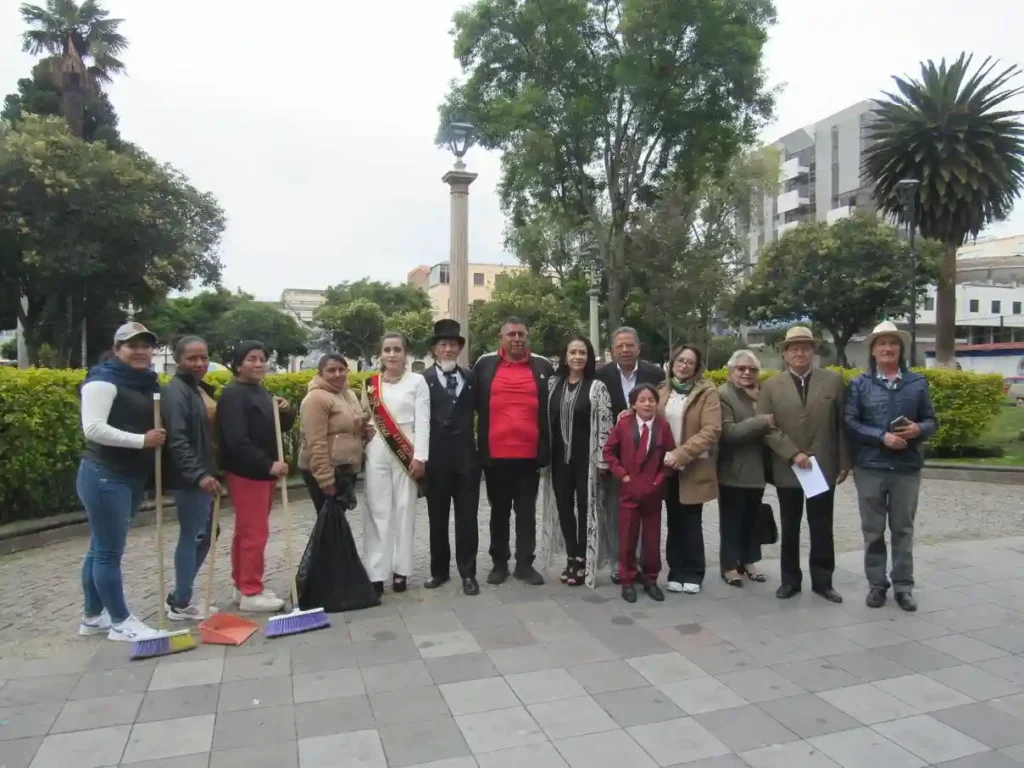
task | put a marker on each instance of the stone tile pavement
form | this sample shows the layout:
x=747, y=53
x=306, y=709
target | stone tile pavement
x=550, y=676
x=40, y=598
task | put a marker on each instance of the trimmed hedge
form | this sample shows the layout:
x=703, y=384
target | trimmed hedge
x=41, y=436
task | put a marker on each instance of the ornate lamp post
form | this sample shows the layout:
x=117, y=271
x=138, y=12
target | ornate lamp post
x=906, y=189
x=459, y=137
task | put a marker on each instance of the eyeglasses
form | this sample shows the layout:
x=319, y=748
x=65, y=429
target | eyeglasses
x=746, y=369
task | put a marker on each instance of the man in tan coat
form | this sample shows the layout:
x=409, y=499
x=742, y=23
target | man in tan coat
x=807, y=404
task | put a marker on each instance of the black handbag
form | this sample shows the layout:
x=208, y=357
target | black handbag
x=766, y=522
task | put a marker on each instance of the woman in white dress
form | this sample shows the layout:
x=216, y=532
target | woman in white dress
x=396, y=457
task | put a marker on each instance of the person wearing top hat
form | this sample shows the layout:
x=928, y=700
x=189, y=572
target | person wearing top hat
x=807, y=404
x=889, y=415
x=453, y=471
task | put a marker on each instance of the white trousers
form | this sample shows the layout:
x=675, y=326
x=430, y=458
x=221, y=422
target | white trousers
x=390, y=517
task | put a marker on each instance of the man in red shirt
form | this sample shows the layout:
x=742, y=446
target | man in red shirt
x=512, y=441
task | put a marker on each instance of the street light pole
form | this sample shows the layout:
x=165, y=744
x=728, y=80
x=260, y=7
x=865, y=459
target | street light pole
x=907, y=191
x=595, y=325
x=460, y=137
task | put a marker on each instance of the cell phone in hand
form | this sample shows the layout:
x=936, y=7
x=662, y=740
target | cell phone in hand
x=902, y=421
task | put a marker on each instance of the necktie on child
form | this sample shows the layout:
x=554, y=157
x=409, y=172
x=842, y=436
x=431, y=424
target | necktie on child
x=645, y=437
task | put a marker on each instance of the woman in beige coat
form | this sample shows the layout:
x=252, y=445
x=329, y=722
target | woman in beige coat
x=333, y=424
x=692, y=408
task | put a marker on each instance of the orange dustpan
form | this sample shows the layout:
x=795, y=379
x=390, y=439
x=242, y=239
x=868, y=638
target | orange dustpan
x=221, y=628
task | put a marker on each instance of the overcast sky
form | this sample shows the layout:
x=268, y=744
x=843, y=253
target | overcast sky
x=313, y=121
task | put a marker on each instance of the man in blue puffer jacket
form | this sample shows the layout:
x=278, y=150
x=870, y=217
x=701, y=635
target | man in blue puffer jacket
x=889, y=415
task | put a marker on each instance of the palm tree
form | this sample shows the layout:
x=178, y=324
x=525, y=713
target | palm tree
x=950, y=130
x=68, y=33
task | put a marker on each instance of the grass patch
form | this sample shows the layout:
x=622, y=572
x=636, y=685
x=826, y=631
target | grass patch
x=1003, y=433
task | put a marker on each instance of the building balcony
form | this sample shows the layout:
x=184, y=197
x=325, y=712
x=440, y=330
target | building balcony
x=791, y=169
x=842, y=212
x=791, y=201
x=784, y=228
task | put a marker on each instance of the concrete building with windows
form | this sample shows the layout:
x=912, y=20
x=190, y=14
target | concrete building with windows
x=820, y=177
x=436, y=282
x=301, y=303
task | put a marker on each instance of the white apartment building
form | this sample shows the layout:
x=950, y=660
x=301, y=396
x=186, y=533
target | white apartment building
x=820, y=176
x=301, y=303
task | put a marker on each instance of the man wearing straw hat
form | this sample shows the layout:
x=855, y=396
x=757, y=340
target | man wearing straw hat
x=889, y=415
x=807, y=403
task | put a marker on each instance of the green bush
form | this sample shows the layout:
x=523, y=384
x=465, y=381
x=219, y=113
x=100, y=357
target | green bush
x=41, y=435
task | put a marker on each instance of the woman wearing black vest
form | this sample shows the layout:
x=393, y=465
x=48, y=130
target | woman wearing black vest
x=117, y=419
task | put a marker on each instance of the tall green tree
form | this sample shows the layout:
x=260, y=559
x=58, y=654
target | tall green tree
x=391, y=299
x=85, y=230
x=41, y=95
x=199, y=315
x=686, y=251
x=540, y=302
x=593, y=102
x=355, y=327
x=844, y=277
x=953, y=131
x=80, y=43
x=260, y=321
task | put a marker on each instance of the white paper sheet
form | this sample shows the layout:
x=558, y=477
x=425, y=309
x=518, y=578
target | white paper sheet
x=811, y=480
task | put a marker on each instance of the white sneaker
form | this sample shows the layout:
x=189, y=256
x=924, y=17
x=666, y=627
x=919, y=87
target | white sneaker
x=691, y=589
x=192, y=613
x=94, y=625
x=236, y=596
x=131, y=630
x=265, y=602
x=674, y=586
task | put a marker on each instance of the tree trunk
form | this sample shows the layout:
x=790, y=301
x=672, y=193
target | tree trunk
x=73, y=107
x=945, y=309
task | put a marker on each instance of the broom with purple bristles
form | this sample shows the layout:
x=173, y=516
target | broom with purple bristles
x=164, y=643
x=297, y=621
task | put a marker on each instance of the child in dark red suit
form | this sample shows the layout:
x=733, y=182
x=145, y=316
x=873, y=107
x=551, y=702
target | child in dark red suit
x=635, y=453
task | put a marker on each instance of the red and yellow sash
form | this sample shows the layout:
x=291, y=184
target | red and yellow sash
x=387, y=429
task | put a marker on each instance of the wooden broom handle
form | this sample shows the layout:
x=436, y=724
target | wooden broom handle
x=159, y=493
x=287, y=511
x=213, y=555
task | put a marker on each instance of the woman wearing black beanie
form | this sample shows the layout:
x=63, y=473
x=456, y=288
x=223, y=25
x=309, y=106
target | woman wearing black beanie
x=248, y=445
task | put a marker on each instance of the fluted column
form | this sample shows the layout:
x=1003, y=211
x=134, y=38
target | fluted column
x=458, y=180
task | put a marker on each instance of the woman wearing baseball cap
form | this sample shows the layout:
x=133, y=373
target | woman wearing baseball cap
x=117, y=419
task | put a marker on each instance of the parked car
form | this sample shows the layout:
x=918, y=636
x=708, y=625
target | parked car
x=1013, y=386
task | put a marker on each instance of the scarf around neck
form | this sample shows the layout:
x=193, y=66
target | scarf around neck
x=681, y=387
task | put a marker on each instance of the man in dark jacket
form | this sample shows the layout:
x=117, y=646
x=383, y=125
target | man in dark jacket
x=453, y=472
x=620, y=378
x=513, y=444
x=889, y=415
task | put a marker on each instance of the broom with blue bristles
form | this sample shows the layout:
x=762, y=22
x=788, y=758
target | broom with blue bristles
x=297, y=621
x=164, y=643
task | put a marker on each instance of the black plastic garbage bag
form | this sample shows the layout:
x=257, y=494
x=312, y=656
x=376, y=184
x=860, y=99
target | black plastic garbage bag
x=331, y=575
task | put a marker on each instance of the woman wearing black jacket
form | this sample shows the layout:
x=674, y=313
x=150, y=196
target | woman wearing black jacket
x=248, y=447
x=190, y=470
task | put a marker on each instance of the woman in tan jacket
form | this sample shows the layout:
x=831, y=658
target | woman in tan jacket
x=332, y=434
x=694, y=412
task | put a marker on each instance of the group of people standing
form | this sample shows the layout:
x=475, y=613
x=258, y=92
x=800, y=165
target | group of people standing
x=619, y=440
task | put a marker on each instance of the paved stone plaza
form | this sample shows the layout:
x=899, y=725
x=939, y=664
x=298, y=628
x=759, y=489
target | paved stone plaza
x=549, y=676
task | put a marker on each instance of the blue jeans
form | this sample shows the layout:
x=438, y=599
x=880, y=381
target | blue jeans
x=111, y=499
x=194, y=521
